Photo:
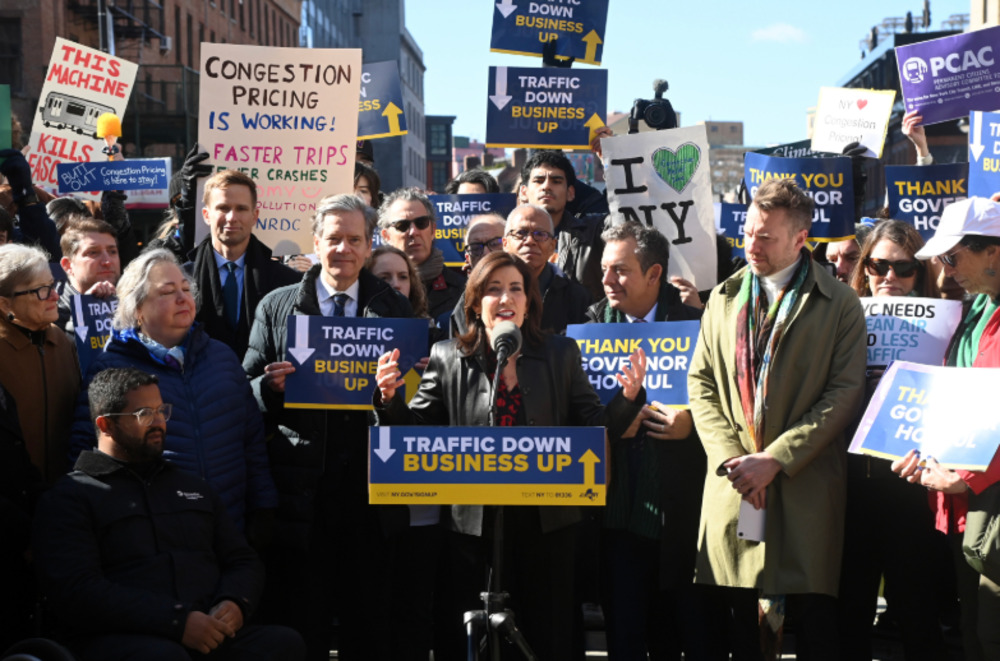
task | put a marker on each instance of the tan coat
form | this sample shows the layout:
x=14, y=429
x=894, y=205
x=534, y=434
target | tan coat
x=45, y=385
x=816, y=386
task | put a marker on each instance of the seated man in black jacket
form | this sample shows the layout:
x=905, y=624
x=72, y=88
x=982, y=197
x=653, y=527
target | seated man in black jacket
x=139, y=559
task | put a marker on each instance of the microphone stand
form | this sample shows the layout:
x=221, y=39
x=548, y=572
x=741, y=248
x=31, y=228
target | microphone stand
x=495, y=621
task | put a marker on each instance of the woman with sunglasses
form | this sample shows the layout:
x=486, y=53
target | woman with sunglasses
x=967, y=243
x=888, y=527
x=38, y=364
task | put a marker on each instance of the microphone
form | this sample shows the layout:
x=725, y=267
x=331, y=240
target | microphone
x=506, y=341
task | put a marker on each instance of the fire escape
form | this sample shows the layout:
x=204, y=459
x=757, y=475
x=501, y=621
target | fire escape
x=162, y=117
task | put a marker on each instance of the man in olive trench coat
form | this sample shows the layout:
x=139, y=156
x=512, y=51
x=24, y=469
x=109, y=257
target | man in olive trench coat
x=797, y=476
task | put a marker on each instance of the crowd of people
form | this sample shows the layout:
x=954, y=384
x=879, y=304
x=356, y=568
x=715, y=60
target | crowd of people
x=200, y=515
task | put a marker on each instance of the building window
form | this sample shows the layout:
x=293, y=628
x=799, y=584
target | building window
x=242, y=25
x=177, y=32
x=250, y=16
x=11, y=58
x=190, y=41
x=267, y=26
x=439, y=140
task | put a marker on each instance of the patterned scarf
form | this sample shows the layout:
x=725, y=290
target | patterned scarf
x=759, y=328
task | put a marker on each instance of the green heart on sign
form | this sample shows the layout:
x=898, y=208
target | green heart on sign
x=677, y=167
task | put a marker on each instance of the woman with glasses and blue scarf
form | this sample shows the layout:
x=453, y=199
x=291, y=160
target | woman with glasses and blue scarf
x=216, y=430
x=38, y=363
x=889, y=530
x=967, y=244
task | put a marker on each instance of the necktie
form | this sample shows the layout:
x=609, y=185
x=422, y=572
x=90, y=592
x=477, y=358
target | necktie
x=339, y=301
x=231, y=296
x=639, y=320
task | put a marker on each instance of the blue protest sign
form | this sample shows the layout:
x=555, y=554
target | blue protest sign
x=487, y=465
x=919, y=193
x=731, y=220
x=669, y=346
x=948, y=413
x=92, y=326
x=336, y=359
x=945, y=78
x=545, y=107
x=380, y=109
x=826, y=180
x=984, y=154
x=454, y=213
x=917, y=330
x=133, y=174
x=523, y=28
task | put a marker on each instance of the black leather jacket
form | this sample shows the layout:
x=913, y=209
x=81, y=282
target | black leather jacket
x=455, y=391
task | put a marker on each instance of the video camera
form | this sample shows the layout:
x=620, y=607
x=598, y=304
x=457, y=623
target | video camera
x=656, y=112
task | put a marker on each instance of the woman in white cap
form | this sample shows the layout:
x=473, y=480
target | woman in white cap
x=967, y=243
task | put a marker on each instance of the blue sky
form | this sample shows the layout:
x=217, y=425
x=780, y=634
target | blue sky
x=759, y=62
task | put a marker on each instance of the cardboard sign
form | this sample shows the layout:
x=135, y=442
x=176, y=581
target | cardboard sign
x=380, y=110
x=81, y=84
x=487, y=465
x=669, y=346
x=545, y=107
x=826, y=180
x=336, y=358
x=732, y=217
x=287, y=118
x=919, y=193
x=917, y=330
x=800, y=149
x=92, y=326
x=661, y=179
x=984, y=154
x=948, y=413
x=521, y=27
x=846, y=115
x=454, y=213
x=946, y=78
x=134, y=174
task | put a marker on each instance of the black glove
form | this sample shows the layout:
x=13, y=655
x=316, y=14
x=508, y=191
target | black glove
x=858, y=174
x=549, y=56
x=15, y=167
x=193, y=169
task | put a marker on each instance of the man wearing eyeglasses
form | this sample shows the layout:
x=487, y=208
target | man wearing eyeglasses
x=530, y=235
x=406, y=219
x=485, y=235
x=138, y=558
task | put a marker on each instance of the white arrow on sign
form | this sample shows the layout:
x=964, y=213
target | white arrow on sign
x=81, y=330
x=506, y=7
x=301, y=350
x=977, y=146
x=383, y=450
x=500, y=98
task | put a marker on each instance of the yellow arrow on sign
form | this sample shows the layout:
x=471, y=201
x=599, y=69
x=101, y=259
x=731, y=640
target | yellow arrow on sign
x=412, y=379
x=590, y=461
x=595, y=122
x=392, y=112
x=591, y=39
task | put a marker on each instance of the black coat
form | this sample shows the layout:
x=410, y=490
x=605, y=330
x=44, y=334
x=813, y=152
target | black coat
x=308, y=448
x=262, y=276
x=681, y=468
x=455, y=391
x=443, y=292
x=122, y=553
x=580, y=248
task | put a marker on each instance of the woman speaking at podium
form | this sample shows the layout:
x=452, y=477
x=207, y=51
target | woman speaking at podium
x=543, y=384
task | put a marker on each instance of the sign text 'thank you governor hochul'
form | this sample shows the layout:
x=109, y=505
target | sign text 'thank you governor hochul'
x=336, y=359
x=487, y=465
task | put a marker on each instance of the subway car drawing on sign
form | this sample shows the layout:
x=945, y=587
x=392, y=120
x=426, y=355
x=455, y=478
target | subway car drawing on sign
x=73, y=113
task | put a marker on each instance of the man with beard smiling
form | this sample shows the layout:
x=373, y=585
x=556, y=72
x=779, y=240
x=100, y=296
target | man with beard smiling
x=139, y=559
